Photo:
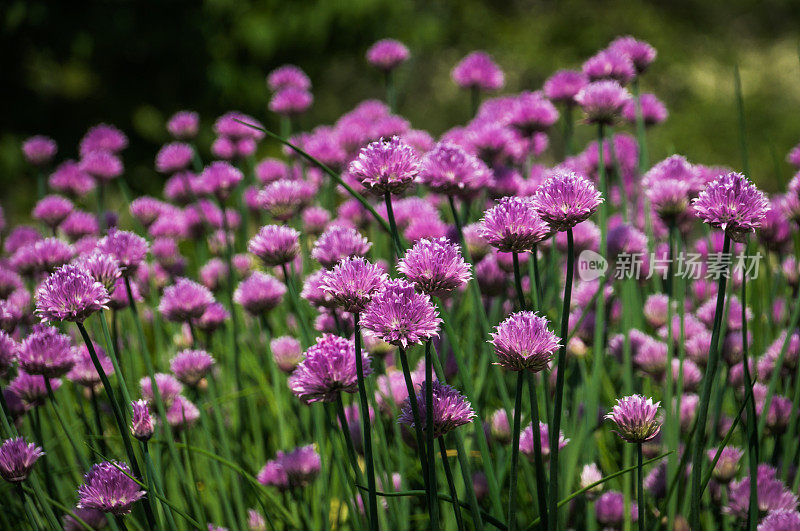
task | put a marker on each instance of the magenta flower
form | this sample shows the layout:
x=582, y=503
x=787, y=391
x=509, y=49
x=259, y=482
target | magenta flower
x=526, y=444
x=353, y=282
x=183, y=125
x=772, y=494
x=39, y=150
x=271, y=170
x=168, y=387
x=70, y=179
x=128, y=248
x=103, y=137
x=477, y=70
x=564, y=85
x=733, y=204
x=182, y=414
x=283, y=198
x=514, y=225
x=602, y=101
x=287, y=353
x=259, y=293
x=212, y=318
x=80, y=224
x=328, y=368
x=653, y=111
x=399, y=315
x=174, y=157
x=17, y=458
x=449, y=170
x=610, y=65
x=102, y=165
x=531, y=113
x=387, y=54
x=386, y=166
x=141, y=421
x=288, y=76
x=315, y=219
x=523, y=342
x=636, y=418
x=609, y=509
x=291, y=101
x=70, y=294
x=295, y=469
x=435, y=266
x=640, y=53
x=782, y=520
x=275, y=245
x=84, y=372
x=30, y=388
x=46, y=352
x=337, y=243
x=566, y=199
x=108, y=487
x=52, y=210
x=233, y=125
x=42, y=256
x=728, y=465
x=219, y=179
x=450, y=410
x=9, y=349
x=185, y=300
x=191, y=366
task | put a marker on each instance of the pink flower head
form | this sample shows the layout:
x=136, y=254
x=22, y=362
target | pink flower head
x=52, y=210
x=184, y=301
x=399, y=315
x=733, y=204
x=39, y=150
x=566, y=199
x=128, y=248
x=102, y=165
x=640, y=53
x=259, y=293
x=283, y=198
x=602, y=101
x=69, y=178
x=514, y=225
x=275, y=245
x=70, y=294
x=46, y=352
x=353, y=282
x=17, y=458
x=291, y=101
x=564, y=85
x=141, y=421
x=386, y=166
x=183, y=125
x=191, y=366
x=174, y=157
x=523, y=342
x=478, y=70
x=328, y=369
x=435, y=266
x=219, y=179
x=288, y=76
x=636, y=418
x=652, y=109
x=337, y=243
x=449, y=170
x=608, y=64
x=450, y=410
x=387, y=54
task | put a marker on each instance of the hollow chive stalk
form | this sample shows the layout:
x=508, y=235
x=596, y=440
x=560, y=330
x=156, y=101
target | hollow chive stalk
x=429, y=435
x=708, y=381
x=366, y=428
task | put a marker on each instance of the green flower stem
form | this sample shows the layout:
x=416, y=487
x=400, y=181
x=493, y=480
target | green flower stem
x=398, y=246
x=702, y=410
x=561, y=368
x=351, y=450
x=155, y=478
x=569, y=129
x=201, y=515
x=640, y=484
x=391, y=94
x=752, y=428
x=54, y=404
x=412, y=399
x=640, y=129
x=512, y=493
x=366, y=429
x=29, y=511
x=474, y=100
x=451, y=484
x=118, y=415
x=429, y=435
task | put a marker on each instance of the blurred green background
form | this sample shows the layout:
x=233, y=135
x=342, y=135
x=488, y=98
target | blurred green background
x=65, y=68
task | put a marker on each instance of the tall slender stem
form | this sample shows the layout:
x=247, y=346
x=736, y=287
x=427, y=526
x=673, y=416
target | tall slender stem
x=366, y=429
x=387, y=197
x=518, y=282
x=512, y=493
x=351, y=449
x=412, y=399
x=538, y=462
x=67, y=432
x=708, y=382
x=561, y=368
x=752, y=428
x=451, y=485
x=640, y=485
x=429, y=435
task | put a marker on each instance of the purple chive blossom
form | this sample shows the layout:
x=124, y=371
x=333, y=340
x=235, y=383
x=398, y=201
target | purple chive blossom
x=287, y=353
x=499, y=426
x=636, y=418
x=728, y=465
x=733, y=204
x=566, y=199
x=255, y=521
x=478, y=71
x=526, y=446
x=772, y=494
x=288, y=76
x=219, y=179
x=19, y=237
x=602, y=101
x=653, y=110
x=400, y=316
x=313, y=292
x=611, y=65
x=191, y=366
x=108, y=487
x=640, y=53
x=42, y=256
x=146, y=209
x=9, y=349
x=259, y=293
x=168, y=387
x=450, y=410
x=30, y=388
x=531, y=113
x=609, y=509
x=782, y=520
x=315, y=219
x=435, y=266
x=291, y=101
x=17, y=458
x=84, y=372
x=185, y=300
x=386, y=166
x=337, y=243
x=591, y=474
x=10, y=281
x=449, y=170
x=182, y=414
x=523, y=342
x=70, y=179
x=52, y=210
x=564, y=85
x=295, y=469
x=141, y=421
x=103, y=137
x=102, y=165
x=39, y=150
x=183, y=125
x=283, y=198
x=275, y=245
x=128, y=248
x=46, y=352
x=80, y=224
x=174, y=157
x=328, y=368
x=513, y=225
x=387, y=54
x=352, y=283
x=70, y=294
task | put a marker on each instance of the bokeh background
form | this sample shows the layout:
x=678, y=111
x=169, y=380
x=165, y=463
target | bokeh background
x=134, y=63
